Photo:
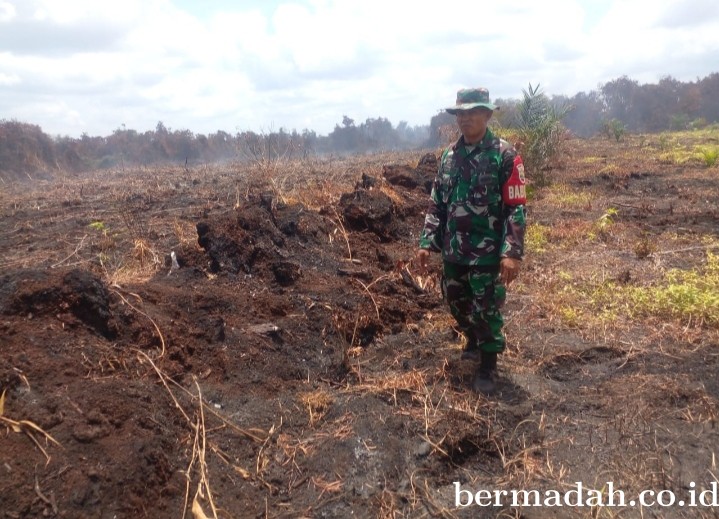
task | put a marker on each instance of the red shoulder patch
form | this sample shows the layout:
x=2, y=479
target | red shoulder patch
x=514, y=191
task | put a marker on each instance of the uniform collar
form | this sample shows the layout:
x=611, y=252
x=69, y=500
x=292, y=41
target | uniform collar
x=486, y=143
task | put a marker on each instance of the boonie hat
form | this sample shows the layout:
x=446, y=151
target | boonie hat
x=469, y=98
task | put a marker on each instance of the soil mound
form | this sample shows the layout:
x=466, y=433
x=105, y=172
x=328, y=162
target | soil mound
x=409, y=177
x=259, y=238
x=369, y=210
x=75, y=297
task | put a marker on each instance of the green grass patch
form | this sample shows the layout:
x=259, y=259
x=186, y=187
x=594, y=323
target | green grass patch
x=531, y=192
x=709, y=155
x=571, y=316
x=687, y=295
x=536, y=238
x=681, y=147
x=707, y=133
x=678, y=156
x=568, y=197
x=609, y=169
x=600, y=228
x=98, y=226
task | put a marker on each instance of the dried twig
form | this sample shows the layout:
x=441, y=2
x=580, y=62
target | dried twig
x=201, y=434
x=79, y=246
x=367, y=287
x=165, y=379
x=48, y=501
x=27, y=427
x=345, y=235
x=157, y=328
x=686, y=249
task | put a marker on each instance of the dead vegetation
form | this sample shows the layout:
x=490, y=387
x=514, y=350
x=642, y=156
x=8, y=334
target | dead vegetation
x=293, y=365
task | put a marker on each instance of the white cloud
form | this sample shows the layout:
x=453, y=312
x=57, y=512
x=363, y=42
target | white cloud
x=74, y=11
x=7, y=11
x=9, y=79
x=656, y=49
x=688, y=13
x=84, y=65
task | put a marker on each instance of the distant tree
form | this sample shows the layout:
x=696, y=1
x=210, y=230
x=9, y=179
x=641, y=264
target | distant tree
x=619, y=98
x=345, y=138
x=221, y=145
x=585, y=118
x=378, y=134
x=691, y=101
x=709, y=89
x=25, y=150
x=507, y=113
x=182, y=146
x=655, y=106
x=309, y=142
x=438, y=129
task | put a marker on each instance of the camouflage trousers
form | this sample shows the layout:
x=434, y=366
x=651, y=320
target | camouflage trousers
x=475, y=297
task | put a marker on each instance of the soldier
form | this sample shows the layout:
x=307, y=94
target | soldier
x=476, y=220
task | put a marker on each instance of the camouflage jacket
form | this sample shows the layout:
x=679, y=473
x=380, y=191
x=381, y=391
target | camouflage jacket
x=466, y=219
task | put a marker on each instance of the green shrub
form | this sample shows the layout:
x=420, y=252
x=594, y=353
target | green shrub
x=614, y=128
x=541, y=131
x=710, y=155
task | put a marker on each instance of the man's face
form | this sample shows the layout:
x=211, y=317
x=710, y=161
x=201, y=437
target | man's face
x=473, y=123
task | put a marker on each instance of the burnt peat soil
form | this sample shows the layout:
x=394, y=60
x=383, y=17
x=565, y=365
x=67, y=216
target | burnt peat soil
x=292, y=364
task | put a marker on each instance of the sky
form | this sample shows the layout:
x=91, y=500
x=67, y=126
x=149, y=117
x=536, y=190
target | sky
x=93, y=66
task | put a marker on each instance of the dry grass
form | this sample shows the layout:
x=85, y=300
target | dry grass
x=28, y=427
x=318, y=403
x=610, y=418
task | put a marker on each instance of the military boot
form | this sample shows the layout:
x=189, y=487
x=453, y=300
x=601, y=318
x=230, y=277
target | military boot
x=484, y=377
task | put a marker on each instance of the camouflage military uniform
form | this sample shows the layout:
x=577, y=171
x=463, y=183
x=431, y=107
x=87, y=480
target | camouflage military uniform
x=473, y=229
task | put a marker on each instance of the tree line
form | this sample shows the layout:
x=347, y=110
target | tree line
x=26, y=151
x=669, y=105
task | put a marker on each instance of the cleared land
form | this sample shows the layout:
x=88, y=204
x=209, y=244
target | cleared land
x=295, y=366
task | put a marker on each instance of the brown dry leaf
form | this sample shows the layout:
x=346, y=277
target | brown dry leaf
x=242, y=472
x=2, y=402
x=40, y=430
x=326, y=486
x=15, y=426
x=197, y=511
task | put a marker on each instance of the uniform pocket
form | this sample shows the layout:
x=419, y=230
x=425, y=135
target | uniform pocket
x=479, y=196
x=482, y=189
x=446, y=185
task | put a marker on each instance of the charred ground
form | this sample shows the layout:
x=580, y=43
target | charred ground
x=291, y=364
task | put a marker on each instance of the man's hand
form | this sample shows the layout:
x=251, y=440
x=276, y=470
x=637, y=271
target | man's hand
x=422, y=260
x=508, y=270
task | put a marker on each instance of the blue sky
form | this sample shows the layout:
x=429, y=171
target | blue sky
x=77, y=66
